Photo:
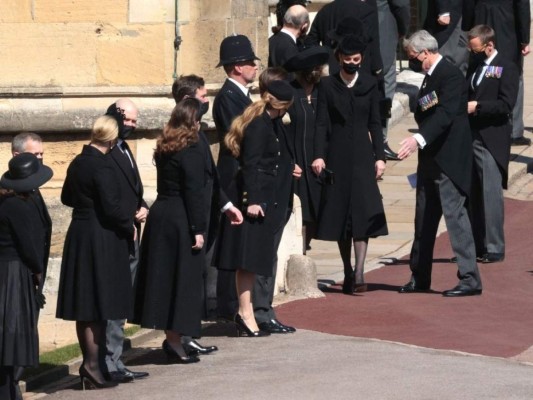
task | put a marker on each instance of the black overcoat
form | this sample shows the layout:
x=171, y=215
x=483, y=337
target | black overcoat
x=250, y=246
x=496, y=97
x=444, y=126
x=510, y=19
x=437, y=7
x=303, y=119
x=169, y=286
x=331, y=14
x=21, y=255
x=129, y=180
x=353, y=205
x=95, y=282
x=229, y=103
x=281, y=47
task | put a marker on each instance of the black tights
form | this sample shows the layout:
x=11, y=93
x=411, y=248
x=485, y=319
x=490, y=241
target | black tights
x=345, y=249
x=91, y=336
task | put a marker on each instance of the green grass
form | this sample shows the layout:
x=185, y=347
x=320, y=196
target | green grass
x=62, y=355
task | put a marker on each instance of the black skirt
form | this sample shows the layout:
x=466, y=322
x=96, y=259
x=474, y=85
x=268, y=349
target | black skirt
x=19, y=342
x=169, y=281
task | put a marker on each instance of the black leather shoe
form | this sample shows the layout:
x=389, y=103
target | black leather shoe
x=272, y=326
x=412, y=288
x=195, y=348
x=118, y=377
x=173, y=356
x=289, y=329
x=389, y=154
x=134, y=375
x=492, y=258
x=520, y=141
x=460, y=291
x=243, y=330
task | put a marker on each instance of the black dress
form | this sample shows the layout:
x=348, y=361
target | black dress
x=21, y=255
x=352, y=207
x=169, y=285
x=303, y=119
x=95, y=282
x=250, y=246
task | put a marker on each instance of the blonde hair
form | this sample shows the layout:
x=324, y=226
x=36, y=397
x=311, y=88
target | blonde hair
x=235, y=135
x=105, y=129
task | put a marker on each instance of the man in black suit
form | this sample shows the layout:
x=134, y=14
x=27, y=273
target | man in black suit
x=238, y=60
x=444, y=22
x=444, y=161
x=29, y=142
x=493, y=87
x=193, y=86
x=511, y=21
x=283, y=45
x=131, y=193
x=394, y=17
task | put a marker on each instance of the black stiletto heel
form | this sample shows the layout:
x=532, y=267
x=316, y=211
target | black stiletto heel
x=243, y=330
x=88, y=381
x=175, y=358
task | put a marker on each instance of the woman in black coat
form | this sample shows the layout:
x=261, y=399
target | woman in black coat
x=95, y=282
x=249, y=248
x=169, y=280
x=22, y=243
x=308, y=66
x=349, y=142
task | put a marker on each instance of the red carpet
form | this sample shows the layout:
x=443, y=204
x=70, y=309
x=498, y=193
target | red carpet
x=497, y=323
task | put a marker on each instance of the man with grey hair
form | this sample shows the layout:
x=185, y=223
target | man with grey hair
x=284, y=44
x=130, y=187
x=444, y=145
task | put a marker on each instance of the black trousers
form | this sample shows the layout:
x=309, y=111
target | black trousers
x=263, y=294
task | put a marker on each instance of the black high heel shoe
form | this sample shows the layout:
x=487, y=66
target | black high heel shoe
x=175, y=358
x=243, y=330
x=88, y=381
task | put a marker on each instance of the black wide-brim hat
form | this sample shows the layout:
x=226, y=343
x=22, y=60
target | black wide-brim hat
x=234, y=49
x=348, y=26
x=26, y=173
x=307, y=59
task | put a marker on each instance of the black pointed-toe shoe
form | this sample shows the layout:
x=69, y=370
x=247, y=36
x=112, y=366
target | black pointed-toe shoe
x=389, y=154
x=195, y=348
x=410, y=287
x=243, y=330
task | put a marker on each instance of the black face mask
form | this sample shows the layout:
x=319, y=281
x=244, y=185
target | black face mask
x=312, y=77
x=478, y=58
x=204, y=108
x=350, y=68
x=415, y=65
x=125, y=132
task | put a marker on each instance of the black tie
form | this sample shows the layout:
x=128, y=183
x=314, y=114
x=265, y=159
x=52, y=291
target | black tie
x=248, y=95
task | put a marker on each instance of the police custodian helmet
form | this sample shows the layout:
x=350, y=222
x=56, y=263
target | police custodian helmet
x=234, y=49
